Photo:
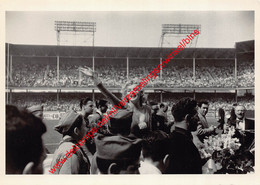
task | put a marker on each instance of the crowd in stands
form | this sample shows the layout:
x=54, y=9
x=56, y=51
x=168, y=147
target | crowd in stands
x=115, y=75
x=246, y=75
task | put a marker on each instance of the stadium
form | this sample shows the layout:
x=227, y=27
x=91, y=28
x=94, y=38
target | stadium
x=216, y=78
x=49, y=75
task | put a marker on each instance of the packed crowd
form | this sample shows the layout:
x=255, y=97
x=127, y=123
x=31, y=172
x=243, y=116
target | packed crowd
x=140, y=137
x=114, y=75
x=69, y=101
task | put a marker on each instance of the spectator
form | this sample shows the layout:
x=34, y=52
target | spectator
x=73, y=128
x=203, y=129
x=155, y=153
x=118, y=125
x=87, y=107
x=184, y=157
x=24, y=148
x=118, y=154
x=36, y=110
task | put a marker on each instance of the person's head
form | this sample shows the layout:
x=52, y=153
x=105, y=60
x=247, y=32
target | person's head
x=36, y=110
x=203, y=107
x=117, y=154
x=87, y=106
x=120, y=123
x=155, y=149
x=154, y=107
x=72, y=124
x=24, y=147
x=240, y=111
x=138, y=97
x=184, y=111
x=163, y=107
x=102, y=105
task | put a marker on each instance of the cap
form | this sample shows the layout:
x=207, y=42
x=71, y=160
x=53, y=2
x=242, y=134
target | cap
x=121, y=120
x=35, y=108
x=118, y=147
x=66, y=122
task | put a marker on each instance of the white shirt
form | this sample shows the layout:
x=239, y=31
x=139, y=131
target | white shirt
x=148, y=168
x=240, y=124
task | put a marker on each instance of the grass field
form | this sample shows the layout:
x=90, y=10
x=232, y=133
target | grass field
x=52, y=138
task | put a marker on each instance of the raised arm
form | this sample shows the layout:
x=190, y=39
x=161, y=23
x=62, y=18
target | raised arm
x=90, y=73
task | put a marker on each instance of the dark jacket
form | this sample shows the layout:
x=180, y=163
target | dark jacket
x=184, y=156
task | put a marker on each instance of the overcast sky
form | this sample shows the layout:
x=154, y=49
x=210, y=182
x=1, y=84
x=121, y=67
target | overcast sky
x=132, y=29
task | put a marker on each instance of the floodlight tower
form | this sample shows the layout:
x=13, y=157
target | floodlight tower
x=173, y=33
x=78, y=33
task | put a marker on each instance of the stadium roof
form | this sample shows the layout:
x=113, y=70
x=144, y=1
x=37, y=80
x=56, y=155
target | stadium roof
x=245, y=47
x=117, y=52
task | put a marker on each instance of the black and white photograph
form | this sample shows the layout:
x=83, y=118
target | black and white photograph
x=105, y=93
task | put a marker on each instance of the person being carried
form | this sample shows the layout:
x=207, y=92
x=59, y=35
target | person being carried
x=141, y=113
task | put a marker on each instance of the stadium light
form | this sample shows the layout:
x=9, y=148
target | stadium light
x=75, y=26
x=171, y=33
x=75, y=31
x=180, y=28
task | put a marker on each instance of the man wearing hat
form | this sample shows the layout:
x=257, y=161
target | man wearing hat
x=36, y=110
x=73, y=128
x=117, y=154
x=118, y=125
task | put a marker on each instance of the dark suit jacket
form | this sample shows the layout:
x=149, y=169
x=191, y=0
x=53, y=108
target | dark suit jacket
x=183, y=154
x=246, y=137
x=249, y=123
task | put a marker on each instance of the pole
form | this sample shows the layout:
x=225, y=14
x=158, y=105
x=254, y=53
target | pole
x=58, y=97
x=235, y=69
x=93, y=63
x=127, y=67
x=10, y=101
x=194, y=68
x=160, y=70
x=11, y=68
x=93, y=44
x=93, y=95
x=236, y=95
x=215, y=94
x=58, y=38
x=8, y=74
x=58, y=69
